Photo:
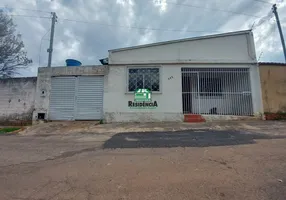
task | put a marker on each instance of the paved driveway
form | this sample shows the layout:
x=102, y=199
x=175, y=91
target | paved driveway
x=187, y=164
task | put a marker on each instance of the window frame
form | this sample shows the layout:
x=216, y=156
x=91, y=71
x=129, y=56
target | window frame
x=140, y=67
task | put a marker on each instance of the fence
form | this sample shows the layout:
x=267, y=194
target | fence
x=216, y=91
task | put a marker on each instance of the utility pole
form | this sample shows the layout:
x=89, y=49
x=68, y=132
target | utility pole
x=50, y=49
x=274, y=9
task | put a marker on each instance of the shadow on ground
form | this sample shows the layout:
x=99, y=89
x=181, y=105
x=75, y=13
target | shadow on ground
x=189, y=138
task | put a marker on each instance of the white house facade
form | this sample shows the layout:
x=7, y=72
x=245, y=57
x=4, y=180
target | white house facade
x=212, y=76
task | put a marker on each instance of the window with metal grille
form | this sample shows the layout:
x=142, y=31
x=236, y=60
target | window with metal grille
x=210, y=87
x=144, y=78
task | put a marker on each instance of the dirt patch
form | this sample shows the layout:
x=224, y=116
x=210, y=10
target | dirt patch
x=60, y=128
x=80, y=127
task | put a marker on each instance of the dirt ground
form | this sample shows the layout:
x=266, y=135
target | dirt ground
x=217, y=161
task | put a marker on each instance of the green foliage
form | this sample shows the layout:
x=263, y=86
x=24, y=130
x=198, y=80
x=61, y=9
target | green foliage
x=8, y=129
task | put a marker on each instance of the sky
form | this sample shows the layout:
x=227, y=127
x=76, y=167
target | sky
x=87, y=29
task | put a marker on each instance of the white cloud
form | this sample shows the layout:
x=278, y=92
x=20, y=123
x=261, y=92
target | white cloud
x=112, y=24
x=126, y=14
x=161, y=4
x=148, y=37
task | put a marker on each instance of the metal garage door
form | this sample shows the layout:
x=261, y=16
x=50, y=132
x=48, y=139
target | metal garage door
x=76, y=98
x=89, y=98
x=62, y=101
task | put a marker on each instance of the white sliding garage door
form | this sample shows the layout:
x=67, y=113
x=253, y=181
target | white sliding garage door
x=62, y=100
x=89, y=98
x=76, y=98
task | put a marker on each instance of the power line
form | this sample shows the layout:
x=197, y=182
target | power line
x=173, y=3
x=134, y=27
x=262, y=20
x=215, y=9
x=31, y=16
x=151, y=29
x=32, y=10
x=40, y=51
x=263, y=1
x=205, y=8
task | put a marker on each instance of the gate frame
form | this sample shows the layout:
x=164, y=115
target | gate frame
x=251, y=82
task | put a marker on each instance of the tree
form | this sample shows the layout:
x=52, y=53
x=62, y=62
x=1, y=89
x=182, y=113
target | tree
x=12, y=54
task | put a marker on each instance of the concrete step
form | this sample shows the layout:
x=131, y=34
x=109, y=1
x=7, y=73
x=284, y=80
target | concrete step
x=193, y=118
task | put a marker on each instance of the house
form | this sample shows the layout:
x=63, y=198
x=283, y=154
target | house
x=273, y=86
x=213, y=76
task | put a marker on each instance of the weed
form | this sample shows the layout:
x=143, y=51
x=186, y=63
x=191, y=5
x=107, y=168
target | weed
x=8, y=130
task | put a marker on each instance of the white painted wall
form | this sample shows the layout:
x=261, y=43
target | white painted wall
x=256, y=90
x=233, y=48
x=231, y=51
x=169, y=100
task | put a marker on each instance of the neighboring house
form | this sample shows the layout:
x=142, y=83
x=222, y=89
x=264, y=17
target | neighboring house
x=273, y=86
x=213, y=76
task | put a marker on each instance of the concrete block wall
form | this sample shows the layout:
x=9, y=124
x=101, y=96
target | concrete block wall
x=17, y=97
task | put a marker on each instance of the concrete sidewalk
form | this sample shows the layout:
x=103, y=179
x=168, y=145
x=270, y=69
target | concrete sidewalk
x=87, y=127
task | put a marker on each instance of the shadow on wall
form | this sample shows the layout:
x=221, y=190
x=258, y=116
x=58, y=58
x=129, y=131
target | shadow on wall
x=200, y=138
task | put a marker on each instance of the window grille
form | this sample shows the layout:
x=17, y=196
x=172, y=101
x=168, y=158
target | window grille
x=144, y=78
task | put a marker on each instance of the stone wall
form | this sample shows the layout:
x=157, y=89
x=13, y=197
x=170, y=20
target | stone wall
x=17, y=97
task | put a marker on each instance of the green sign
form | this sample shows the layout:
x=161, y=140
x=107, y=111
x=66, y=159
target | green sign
x=142, y=99
x=142, y=95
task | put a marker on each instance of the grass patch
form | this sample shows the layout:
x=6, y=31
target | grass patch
x=8, y=130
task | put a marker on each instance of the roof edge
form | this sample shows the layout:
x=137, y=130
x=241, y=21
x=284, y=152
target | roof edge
x=272, y=63
x=19, y=78
x=73, y=66
x=183, y=40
